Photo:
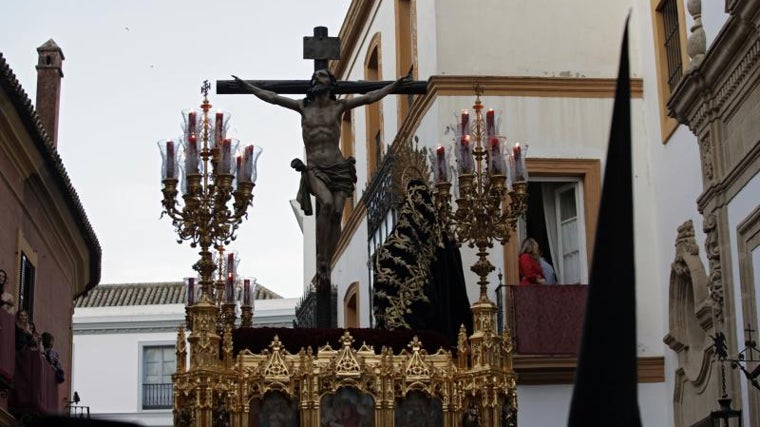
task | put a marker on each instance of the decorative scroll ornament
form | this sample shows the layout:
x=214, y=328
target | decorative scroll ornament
x=706, y=153
x=712, y=250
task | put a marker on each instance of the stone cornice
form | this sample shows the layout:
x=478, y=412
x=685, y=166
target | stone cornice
x=723, y=191
x=553, y=87
x=134, y=327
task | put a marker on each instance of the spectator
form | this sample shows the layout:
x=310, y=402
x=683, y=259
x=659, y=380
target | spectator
x=25, y=333
x=52, y=356
x=530, y=267
x=6, y=299
x=549, y=276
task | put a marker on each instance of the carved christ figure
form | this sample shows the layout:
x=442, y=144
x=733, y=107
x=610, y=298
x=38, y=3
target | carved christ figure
x=327, y=175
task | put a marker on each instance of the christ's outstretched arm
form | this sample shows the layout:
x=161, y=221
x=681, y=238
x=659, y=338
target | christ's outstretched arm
x=269, y=96
x=378, y=94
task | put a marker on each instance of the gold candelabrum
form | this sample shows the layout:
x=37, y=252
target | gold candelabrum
x=492, y=196
x=202, y=160
x=492, y=181
x=229, y=291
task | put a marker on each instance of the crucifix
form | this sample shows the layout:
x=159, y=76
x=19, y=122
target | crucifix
x=327, y=174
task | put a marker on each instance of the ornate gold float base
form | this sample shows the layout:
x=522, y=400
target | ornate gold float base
x=353, y=384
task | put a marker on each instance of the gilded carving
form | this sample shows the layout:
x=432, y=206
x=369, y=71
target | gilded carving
x=220, y=395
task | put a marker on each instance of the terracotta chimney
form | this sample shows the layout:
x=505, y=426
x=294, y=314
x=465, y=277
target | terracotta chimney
x=49, y=74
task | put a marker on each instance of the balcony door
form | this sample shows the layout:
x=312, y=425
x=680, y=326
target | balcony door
x=556, y=219
x=159, y=363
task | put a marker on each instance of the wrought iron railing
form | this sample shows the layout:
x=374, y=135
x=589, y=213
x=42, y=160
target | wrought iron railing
x=157, y=396
x=306, y=310
x=76, y=411
x=379, y=195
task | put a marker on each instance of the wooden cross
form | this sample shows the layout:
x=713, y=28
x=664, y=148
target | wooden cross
x=321, y=49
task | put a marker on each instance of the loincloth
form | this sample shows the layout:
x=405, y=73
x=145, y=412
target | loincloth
x=338, y=177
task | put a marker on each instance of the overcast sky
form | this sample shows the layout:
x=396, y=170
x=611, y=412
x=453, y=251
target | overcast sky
x=131, y=66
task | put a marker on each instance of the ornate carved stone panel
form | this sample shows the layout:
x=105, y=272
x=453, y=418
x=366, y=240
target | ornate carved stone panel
x=690, y=321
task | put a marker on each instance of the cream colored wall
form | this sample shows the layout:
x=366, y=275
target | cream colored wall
x=532, y=38
x=350, y=268
x=571, y=40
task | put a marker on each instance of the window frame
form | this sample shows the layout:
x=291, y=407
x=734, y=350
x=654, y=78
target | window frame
x=24, y=249
x=374, y=111
x=142, y=346
x=588, y=172
x=347, y=148
x=352, y=295
x=668, y=124
x=406, y=50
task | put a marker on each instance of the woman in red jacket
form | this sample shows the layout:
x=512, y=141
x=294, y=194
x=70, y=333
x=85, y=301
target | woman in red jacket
x=530, y=268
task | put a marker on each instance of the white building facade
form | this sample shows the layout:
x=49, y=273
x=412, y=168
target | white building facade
x=549, y=68
x=124, y=347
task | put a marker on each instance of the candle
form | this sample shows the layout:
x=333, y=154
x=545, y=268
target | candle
x=244, y=173
x=191, y=123
x=465, y=123
x=170, y=159
x=441, y=164
x=229, y=290
x=191, y=155
x=226, y=155
x=490, y=125
x=495, y=159
x=519, y=166
x=247, y=292
x=231, y=263
x=239, y=164
x=465, y=156
x=190, y=291
x=219, y=128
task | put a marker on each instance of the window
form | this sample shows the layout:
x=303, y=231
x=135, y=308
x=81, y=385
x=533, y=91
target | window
x=347, y=148
x=405, y=53
x=670, y=54
x=26, y=285
x=555, y=219
x=374, y=120
x=563, y=200
x=351, y=306
x=159, y=363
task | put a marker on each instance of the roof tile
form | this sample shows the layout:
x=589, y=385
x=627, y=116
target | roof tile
x=129, y=294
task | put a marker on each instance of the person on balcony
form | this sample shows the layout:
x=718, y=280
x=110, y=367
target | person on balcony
x=531, y=272
x=52, y=356
x=26, y=336
x=549, y=276
x=6, y=299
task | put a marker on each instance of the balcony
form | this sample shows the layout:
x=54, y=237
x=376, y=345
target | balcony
x=546, y=323
x=546, y=319
x=306, y=310
x=7, y=350
x=157, y=396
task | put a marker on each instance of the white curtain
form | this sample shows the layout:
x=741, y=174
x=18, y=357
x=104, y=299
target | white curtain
x=550, y=218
